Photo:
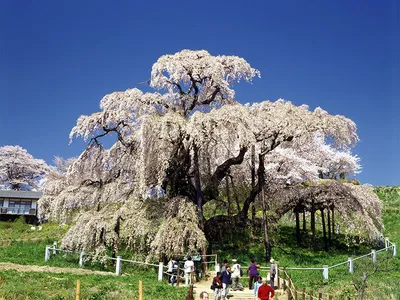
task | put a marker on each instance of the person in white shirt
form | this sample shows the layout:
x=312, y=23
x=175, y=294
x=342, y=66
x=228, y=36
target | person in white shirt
x=189, y=265
x=235, y=276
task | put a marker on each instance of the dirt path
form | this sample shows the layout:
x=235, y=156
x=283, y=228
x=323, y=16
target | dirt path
x=29, y=268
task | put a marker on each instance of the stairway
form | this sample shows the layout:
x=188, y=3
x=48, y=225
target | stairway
x=246, y=294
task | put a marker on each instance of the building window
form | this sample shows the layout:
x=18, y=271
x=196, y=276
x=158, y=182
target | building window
x=20, y=207
x=1, y=202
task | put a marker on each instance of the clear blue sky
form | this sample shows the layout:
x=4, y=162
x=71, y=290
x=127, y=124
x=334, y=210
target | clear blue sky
x=58, y=58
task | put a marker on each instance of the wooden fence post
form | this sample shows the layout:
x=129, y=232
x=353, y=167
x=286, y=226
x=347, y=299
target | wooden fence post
x=311, y=295
x=304, y=294
x=140, y=290
x=160, y=270
x=373, y=253
x=330, y=297
x=290, y=288
x=177, y=276
x=55, y=248
x=278, y=274
x=320, y=296
x=78, y=289
x=351, y=266
x=81, y=258
x=47, y=254
x=118, y=266
x=325, y=272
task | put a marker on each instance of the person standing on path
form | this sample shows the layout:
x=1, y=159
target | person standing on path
x=236, y=273
x=257, y=284
x=272, y=273
x=226, y=279
x=188, y=266
x=265, y=292
x=224, y=264
x=252, y=271
x=217, y=285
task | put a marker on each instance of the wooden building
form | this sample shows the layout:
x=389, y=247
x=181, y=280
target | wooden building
x=14, y=204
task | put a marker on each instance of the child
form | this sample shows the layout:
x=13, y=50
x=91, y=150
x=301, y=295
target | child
x=257, y=285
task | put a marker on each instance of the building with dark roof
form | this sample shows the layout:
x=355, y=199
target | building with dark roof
x=14, y=204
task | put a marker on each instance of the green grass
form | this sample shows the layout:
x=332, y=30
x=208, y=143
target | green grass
x=23, y=246
x=20, y=231
x=340, y=283
x=40, y=285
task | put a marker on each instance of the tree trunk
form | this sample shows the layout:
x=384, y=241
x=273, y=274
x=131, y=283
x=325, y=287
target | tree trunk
x=235, y=195
x=228, y=197
x=324, y=230
x=313, y=223
x=253, y=184
x=297, y=226
x=199, y=200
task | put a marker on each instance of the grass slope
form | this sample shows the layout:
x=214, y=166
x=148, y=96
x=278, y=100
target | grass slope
x=21, y=245
x=383, y=284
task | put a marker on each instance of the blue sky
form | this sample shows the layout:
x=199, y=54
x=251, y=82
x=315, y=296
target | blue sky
x=58, y=58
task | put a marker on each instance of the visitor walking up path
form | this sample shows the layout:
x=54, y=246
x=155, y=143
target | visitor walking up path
x=246, y=294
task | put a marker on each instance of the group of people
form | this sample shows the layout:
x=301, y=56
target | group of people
x=189, y=268
x=229, y=277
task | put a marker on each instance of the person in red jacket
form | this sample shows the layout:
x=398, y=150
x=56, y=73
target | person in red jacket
x=265, y=292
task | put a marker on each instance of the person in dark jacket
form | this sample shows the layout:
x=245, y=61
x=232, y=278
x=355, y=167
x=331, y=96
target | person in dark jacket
x=217, y=284
x=226, y=280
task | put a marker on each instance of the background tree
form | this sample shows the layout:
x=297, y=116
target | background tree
x=19, y=170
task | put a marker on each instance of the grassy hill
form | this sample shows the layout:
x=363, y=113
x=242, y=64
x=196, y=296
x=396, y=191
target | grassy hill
x=383, y=284
x=19, y=244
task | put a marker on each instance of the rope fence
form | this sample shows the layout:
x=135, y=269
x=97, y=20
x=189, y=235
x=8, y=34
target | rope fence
x=53, y=250
x=350, y=262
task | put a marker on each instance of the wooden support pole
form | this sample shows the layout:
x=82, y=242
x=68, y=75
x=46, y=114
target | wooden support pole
x=311, y=295
x=140, y=290
x=320, y=296
x=78, y=289
x=324, y=229
x=304, y=294
x=278, y=275
x=329, y=226
x=313, y=223
x=177, y=276
x=330, y=297
x=333, y=220
x=298, y=238
x=290, y=294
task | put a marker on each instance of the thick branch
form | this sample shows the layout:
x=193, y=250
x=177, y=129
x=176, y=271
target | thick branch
x=211, y=190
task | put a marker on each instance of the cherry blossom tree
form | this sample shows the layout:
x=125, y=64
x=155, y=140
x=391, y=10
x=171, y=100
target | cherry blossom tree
x=19, y=170
x=185, y=139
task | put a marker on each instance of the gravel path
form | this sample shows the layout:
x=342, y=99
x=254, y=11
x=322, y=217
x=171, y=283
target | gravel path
x=30, y=268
